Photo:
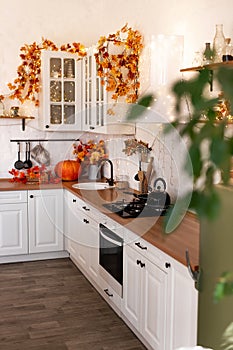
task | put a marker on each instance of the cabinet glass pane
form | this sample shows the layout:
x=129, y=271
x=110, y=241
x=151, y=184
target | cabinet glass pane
x=55, y=67
x=69, y=68
x=89, y=64
x=69, y=114
x=55, y=91
x=55, y=114
x=69, y=91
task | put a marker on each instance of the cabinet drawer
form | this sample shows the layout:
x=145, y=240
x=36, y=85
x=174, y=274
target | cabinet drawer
x=7, y=197
x=152, y=253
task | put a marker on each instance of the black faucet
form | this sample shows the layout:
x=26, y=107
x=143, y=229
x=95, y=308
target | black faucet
x=111, y=180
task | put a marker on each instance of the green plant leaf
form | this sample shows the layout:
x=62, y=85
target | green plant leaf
x=136, y=110
x=205, y=203
x=195, y=156
x=224, y=286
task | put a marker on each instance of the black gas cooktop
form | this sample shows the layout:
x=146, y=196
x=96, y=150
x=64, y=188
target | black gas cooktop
x=135, y=208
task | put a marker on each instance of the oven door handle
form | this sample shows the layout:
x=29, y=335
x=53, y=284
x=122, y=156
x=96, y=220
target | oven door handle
x=110, y=239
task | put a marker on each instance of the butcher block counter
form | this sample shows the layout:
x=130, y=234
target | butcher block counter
x=185, y=236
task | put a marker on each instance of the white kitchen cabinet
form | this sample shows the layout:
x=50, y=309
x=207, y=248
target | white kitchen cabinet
x=45, y=220
x=96, y=102
x=94, y=95
x=146, y=297
x=13, y=223
x=164, y=309
x=185, y=306
x=60, y=98
x=82, y=235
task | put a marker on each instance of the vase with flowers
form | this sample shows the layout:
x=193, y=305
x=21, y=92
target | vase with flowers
x=90, y=154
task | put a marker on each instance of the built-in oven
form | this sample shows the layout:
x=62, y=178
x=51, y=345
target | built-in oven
x=111, y=258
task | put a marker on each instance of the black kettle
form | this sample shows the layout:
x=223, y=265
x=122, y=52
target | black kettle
x=159, y=196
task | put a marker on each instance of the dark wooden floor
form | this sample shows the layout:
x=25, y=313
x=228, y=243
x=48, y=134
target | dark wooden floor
x=49, y=305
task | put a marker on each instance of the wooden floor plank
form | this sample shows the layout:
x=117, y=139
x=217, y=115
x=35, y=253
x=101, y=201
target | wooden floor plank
x=50, y=305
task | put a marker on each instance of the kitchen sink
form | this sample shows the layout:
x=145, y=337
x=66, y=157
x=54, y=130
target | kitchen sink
x=94, y=186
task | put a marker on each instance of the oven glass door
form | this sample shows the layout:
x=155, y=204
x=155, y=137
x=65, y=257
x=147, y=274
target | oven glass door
x=111, y=253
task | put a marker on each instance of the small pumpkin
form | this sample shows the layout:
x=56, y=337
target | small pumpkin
x=68, y=170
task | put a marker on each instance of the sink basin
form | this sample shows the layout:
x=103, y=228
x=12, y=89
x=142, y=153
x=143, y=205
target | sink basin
x=92, y=186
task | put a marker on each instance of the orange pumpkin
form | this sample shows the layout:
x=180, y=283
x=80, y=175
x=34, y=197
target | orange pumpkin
x=68, y=170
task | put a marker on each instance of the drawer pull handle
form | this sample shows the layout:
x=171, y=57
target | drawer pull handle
x=167, y=265
x=140, y=263
x=85, y=208
x=107, y=292
x=138, y=244
x=31, y=196
x=74, y=200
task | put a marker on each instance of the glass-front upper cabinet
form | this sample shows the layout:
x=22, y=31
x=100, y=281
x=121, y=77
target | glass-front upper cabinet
x=94, y=95
x=61, y=87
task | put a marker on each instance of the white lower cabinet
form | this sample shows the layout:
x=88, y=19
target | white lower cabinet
x=146, y=298
x=13, y=223
x=185, y=306
x=82, y=236
x=159, y=297
x=45, y=220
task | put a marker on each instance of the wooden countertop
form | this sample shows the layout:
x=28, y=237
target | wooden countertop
x=185, y=236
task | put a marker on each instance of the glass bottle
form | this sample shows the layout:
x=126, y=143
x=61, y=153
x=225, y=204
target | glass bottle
x=228, y=51
x=207, y=54
x=219, y=43
x=197, y=60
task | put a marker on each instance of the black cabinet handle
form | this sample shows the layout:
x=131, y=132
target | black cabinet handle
x=92, y=127
x=47, y=126
x=31, y=196
x=85, y=208
x=138, y=244
x=74, y=200
x=86, y=221
x=107, y=292
x=167, y=265
x=140, y=263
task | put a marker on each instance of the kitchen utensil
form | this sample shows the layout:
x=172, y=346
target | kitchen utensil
x=136, y=177
x=159, y=195
x=19, y=164
x=149, y=169
x=40, y=155
x=28, y=163
x=143, y=182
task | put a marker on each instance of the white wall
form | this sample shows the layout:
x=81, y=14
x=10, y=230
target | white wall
x=85, y=21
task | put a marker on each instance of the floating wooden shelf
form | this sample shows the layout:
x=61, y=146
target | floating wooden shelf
x=23, y=118
x=228, y=122
x=211, y=66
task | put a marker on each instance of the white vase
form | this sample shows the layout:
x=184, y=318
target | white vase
x=93, y=172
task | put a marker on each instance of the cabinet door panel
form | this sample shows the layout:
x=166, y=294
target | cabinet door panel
x=45, y=221
x=184, y=309
x=60, y=97
x=13, y=229
x=154, y=303
x=132, y=287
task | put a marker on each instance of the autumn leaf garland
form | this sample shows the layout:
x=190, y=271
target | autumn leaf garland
x=119, y=71
x=27, y=84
